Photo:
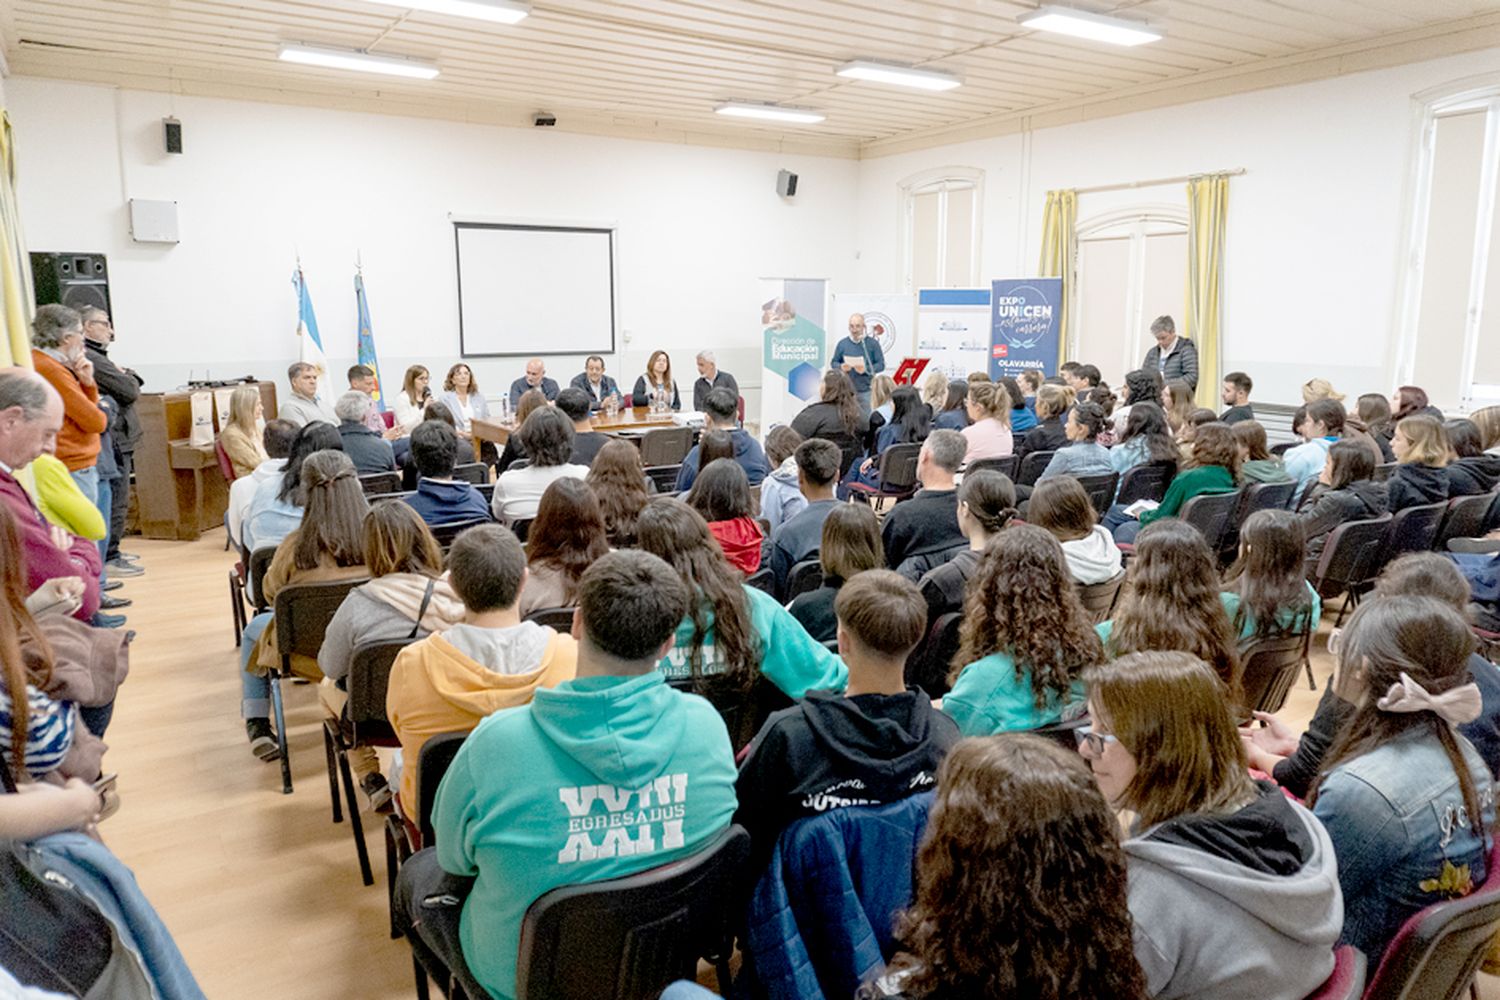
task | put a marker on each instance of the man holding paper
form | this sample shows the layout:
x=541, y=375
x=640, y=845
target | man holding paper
x=860, y=358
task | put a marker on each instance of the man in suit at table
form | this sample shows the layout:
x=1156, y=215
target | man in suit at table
x=593, y=381
x=535, y=378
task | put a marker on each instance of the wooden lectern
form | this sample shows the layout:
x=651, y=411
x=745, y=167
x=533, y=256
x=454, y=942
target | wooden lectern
x=180, y=492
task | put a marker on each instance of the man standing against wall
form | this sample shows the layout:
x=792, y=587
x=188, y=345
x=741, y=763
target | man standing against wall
x=123, y=386
x=860, y=358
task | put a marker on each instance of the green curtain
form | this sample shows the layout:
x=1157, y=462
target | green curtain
x=1208, y=210
x=15, y=273
x=1060, y=257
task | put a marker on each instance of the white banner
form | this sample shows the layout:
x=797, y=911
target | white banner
x=953, y=329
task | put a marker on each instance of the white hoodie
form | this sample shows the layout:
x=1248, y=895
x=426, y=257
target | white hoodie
x=1093, y=558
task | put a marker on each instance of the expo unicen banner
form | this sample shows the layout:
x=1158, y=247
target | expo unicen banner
x=1024, y=313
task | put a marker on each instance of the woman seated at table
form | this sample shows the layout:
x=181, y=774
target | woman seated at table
x=414, y=395
x=464, y=400
x=656, y=383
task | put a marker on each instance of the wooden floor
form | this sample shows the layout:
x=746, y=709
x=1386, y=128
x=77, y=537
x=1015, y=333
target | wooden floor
x=261, y=890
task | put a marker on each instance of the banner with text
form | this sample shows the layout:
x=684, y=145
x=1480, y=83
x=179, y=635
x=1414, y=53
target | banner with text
x=795, y=351
x=888, y=319
x=953, y=330
x=1024, y=313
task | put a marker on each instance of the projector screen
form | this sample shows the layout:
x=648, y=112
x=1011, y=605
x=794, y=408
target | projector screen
x=534, y=289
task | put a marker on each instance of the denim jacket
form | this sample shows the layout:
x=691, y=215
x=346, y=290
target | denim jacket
x=1402, y=834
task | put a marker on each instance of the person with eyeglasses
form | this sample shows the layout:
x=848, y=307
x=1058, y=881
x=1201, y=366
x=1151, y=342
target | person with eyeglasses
x=122, y=385
x=1234, y=888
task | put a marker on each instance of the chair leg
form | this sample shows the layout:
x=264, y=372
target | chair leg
x=333, y=776
x=286, y=755
x=1312, y=685
x=355, y=824
x=421, y=976
x=392, y=865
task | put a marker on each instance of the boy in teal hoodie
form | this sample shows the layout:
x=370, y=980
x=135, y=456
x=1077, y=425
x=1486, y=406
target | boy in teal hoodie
x=609, y=774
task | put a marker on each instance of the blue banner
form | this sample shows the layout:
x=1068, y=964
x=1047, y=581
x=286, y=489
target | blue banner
x=1024, y=313
x=367, y=340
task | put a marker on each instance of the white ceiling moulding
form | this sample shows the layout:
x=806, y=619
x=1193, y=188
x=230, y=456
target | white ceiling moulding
x=499, y=11
x=353, y=59
x=769, y=112
x=898, y=75
x=1094, y=27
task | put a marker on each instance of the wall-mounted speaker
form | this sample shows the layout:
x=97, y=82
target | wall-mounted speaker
x=73, y=279
x=786, y=183
x=172, y=132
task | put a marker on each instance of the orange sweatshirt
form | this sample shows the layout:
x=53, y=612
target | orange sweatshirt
x=83, y=421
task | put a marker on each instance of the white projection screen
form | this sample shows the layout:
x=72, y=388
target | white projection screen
x=534, y=290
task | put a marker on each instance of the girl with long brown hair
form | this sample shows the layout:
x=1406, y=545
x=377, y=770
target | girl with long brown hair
x=1021, y=883
x=1062, y=506
x=721, y=493
x=1233, y=887
x=619, y=483
x=567, y=537
x=1024, y=641
x=836, y=416
x=1170, y=601
x=733, y=630
x=1267, y=593
x=1409, y=400
x=1177, y=399
x=986, y=504
x=531, y=400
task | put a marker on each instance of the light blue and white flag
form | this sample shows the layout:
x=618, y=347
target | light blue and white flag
x=309, y=344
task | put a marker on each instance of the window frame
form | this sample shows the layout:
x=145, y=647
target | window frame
x=941, y=180
x=1135, y=219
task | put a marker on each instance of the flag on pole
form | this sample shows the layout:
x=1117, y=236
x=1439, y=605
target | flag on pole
x=367, y=339
x=309, y=344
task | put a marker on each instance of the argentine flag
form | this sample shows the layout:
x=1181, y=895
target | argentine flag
x=367, y=339
x=309, y=344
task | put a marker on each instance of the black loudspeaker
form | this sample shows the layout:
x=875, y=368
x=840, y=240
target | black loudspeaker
x=74, y=279
x=172, y=129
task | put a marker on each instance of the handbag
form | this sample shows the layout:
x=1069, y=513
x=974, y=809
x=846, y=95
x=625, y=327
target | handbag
x=51, y=936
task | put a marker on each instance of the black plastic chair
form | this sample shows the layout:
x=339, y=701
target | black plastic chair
x=1284, y=447
x=762, y=579
x=804, y=577
x=666, y=446
x=850, y=449
x=1270, y=666
x=1384, y=470
x=1415, y=529
x=1005, y=466
x=927, y=666
x=743, y=710
x=898, y=475
x=472, y=472
x=1210, y=513
x=1032, y=466
x=521, y=528
x=1146, y=482
x=260, y=562
x=303, y=611
x=447, y=532
x=1098, y=599
x=377, y=483
x=1064, y=733
x=363, y=724
x=630, y=937
x=1265, y=496
x=432, y=763
x=1438, y=951
x=1101, y=490
x=1351, y=560
x=1465, y=519
x=560, y=619
x=486, y=490
x=664, y=476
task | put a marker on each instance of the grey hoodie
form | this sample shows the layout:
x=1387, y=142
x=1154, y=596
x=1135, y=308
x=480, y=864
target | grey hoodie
x=1093, y=558
x=1212, y=927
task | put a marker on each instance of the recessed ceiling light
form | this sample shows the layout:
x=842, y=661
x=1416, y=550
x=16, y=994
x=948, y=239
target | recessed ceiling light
x=769, y=112
x=1087, y=24
x=900, y=76
x=364, y=62
x=502, y=11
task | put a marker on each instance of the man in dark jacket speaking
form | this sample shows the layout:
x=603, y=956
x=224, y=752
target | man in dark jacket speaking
x=1173, y=357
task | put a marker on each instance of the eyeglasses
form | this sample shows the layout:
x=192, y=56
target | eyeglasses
x=1094, y=742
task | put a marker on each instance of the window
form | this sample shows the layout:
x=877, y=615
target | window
x=1450, y=309
x=941, y=228
x=1132, y=268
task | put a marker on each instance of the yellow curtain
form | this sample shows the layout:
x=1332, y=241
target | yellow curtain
x=15, y=271
x=1060, y=256
x=1208, y=210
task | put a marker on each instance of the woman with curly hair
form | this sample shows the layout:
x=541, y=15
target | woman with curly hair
x=1021, y=884
x=1233, y=886
x=619, y=482
x=1171, y=601
x=1025, y=638
x=566, y=538
x=734, y=630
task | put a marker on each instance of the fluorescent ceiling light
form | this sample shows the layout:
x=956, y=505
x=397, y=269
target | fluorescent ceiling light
x=1095, y=27
x=901, y=76
x=502, y=11
x=769, y=112
x=364, y=62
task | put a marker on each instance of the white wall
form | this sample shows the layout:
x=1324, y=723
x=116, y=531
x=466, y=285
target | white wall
x=1314, y=227
x=259, y=184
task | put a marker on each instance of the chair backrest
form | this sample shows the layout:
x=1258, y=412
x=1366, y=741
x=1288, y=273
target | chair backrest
x=1146, y=482
x=520, y=463
x=1101, y=490
x=369, y=676
x=432, y=763
x=664, y=476
x=1283, y=447
x=1210, y=513
x=1438, y=951
x=666, y=445
x=303, y=611
x=1032, y=466
x=1352, y=555
x=898, y=466
x=259, y=562
x=521, y=528
x=927, y=665
x=743, y=711
x=763, y=579
x=1064, y=733
x=1266, y=496
x=486, y=490
x=1384, y=470
x=805, y=576
x=472, y=472
x=389, y=417
x=1270, y=666
x=1005, y=466
x=376, y=483
x=1465, y=519
x=446, y=532
x=1098, y=599
x=559, y=618
x=630, y=937
x=225, y=465
x=1347, y=981
x=1415, y=528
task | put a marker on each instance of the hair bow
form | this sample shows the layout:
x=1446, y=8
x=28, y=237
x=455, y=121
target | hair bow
x=1461, y=704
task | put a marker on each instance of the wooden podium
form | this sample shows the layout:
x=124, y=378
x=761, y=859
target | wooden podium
x=180, y=492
